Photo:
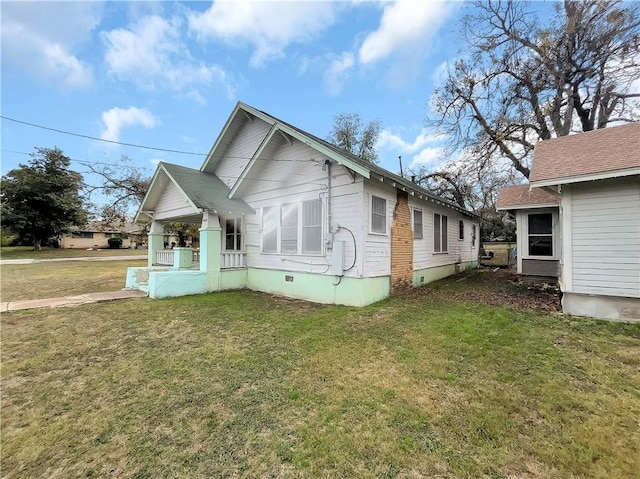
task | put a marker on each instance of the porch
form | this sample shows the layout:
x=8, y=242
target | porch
x=184, y=270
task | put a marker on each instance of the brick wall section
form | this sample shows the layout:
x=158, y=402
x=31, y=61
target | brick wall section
x=401, y=244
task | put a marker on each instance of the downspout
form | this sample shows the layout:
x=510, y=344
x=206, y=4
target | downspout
x=329, y=236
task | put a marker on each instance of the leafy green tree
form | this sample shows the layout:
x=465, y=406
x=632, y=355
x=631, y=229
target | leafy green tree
x=42, y=199
x=349, y=134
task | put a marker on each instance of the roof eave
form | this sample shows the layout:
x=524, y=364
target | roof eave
x=527, y=207
x=605, y=175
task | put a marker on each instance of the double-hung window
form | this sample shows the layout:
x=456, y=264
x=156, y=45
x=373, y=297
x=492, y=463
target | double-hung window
x=289, y=228
x=293, y=228
x=270, y=223
x=417, y=224
x=440, y=238
x=233, y=234
x=540, y=234
x=378, y=215
x=312, y=227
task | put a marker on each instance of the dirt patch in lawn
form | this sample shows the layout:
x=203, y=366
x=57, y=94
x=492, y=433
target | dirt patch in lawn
x=494, y=287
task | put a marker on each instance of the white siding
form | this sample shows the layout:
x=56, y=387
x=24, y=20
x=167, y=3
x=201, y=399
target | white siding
x=173, y=203
x=377, y=247
x=296, y=173
x=241, y=148
x=458, y=250
x=605, y=252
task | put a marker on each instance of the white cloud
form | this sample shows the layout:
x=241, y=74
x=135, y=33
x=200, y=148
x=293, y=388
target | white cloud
x=423, y=149
x=117, y=118
x=268, y=26
x=152, y=55
x=405, y=29
x=338, y=72
x=391, y=140
x=427, y=156
x=41, y=36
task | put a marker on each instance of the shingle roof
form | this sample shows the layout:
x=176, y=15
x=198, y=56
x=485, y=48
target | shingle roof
x=205, y=190
x=600, y=152
x=520, y=196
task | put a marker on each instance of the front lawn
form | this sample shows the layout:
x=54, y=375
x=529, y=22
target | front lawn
x=242, y=384
x=66, y=278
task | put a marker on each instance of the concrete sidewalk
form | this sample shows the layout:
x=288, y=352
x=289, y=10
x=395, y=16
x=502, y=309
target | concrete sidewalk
x=80, y=258
x=71, y=300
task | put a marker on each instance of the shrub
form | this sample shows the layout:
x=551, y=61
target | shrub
x=115, y=243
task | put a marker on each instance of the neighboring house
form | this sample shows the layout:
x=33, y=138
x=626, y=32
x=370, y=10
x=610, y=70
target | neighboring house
x=96, y=236
x=538, y=229
x=284, y=212
x=583, y=212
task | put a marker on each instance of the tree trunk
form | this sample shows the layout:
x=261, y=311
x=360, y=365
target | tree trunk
x=37, y=244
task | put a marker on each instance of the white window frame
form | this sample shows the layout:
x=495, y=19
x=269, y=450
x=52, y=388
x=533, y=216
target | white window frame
x=276, y=230
x=417, y=233
x=291, y=211
x=301, y=230
x=372, y=213
x=552, y=235
x=307, y=228
x=460, y=230
x=440, y=220
x=237, y=233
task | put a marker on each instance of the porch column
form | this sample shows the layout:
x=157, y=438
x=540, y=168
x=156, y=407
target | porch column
x=156, y=242
x=210, y=239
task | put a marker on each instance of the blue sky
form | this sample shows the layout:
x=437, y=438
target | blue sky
x=168, y=75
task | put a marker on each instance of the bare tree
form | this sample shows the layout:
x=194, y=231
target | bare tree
x=349, y=134
x=123, y=185
x=523, y=82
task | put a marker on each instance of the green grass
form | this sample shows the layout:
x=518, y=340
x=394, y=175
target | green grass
x=26, y=252
x=66, y=278
x=242, y=384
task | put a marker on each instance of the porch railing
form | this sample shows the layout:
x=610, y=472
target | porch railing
x=164, y=257
x=233, y=259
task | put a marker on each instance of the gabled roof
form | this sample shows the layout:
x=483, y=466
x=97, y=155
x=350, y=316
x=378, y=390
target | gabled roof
x=342, y=157
x=204, y=191
x=598, y=154
x=523, y=197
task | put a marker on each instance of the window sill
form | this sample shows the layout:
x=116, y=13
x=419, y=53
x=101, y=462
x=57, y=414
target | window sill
x=439, y=252
x=375, y=233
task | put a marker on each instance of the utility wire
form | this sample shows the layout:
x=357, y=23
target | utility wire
x=102, y=139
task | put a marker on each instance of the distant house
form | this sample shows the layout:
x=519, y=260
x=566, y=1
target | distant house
x=96, y=236
x=284, y=212
x=579, y=220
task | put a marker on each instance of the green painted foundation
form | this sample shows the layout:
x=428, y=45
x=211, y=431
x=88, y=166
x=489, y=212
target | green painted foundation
x=428, y=275
x=319, y=288
x=307, y=286
x=167, y=284
x=233, y=279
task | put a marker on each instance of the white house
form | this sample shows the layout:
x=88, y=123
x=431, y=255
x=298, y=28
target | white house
x=284, y=212
x=582, y=210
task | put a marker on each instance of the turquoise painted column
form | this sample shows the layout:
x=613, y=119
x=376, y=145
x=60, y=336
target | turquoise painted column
x=210, y=239
x=156, y=242
x=182, y=258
